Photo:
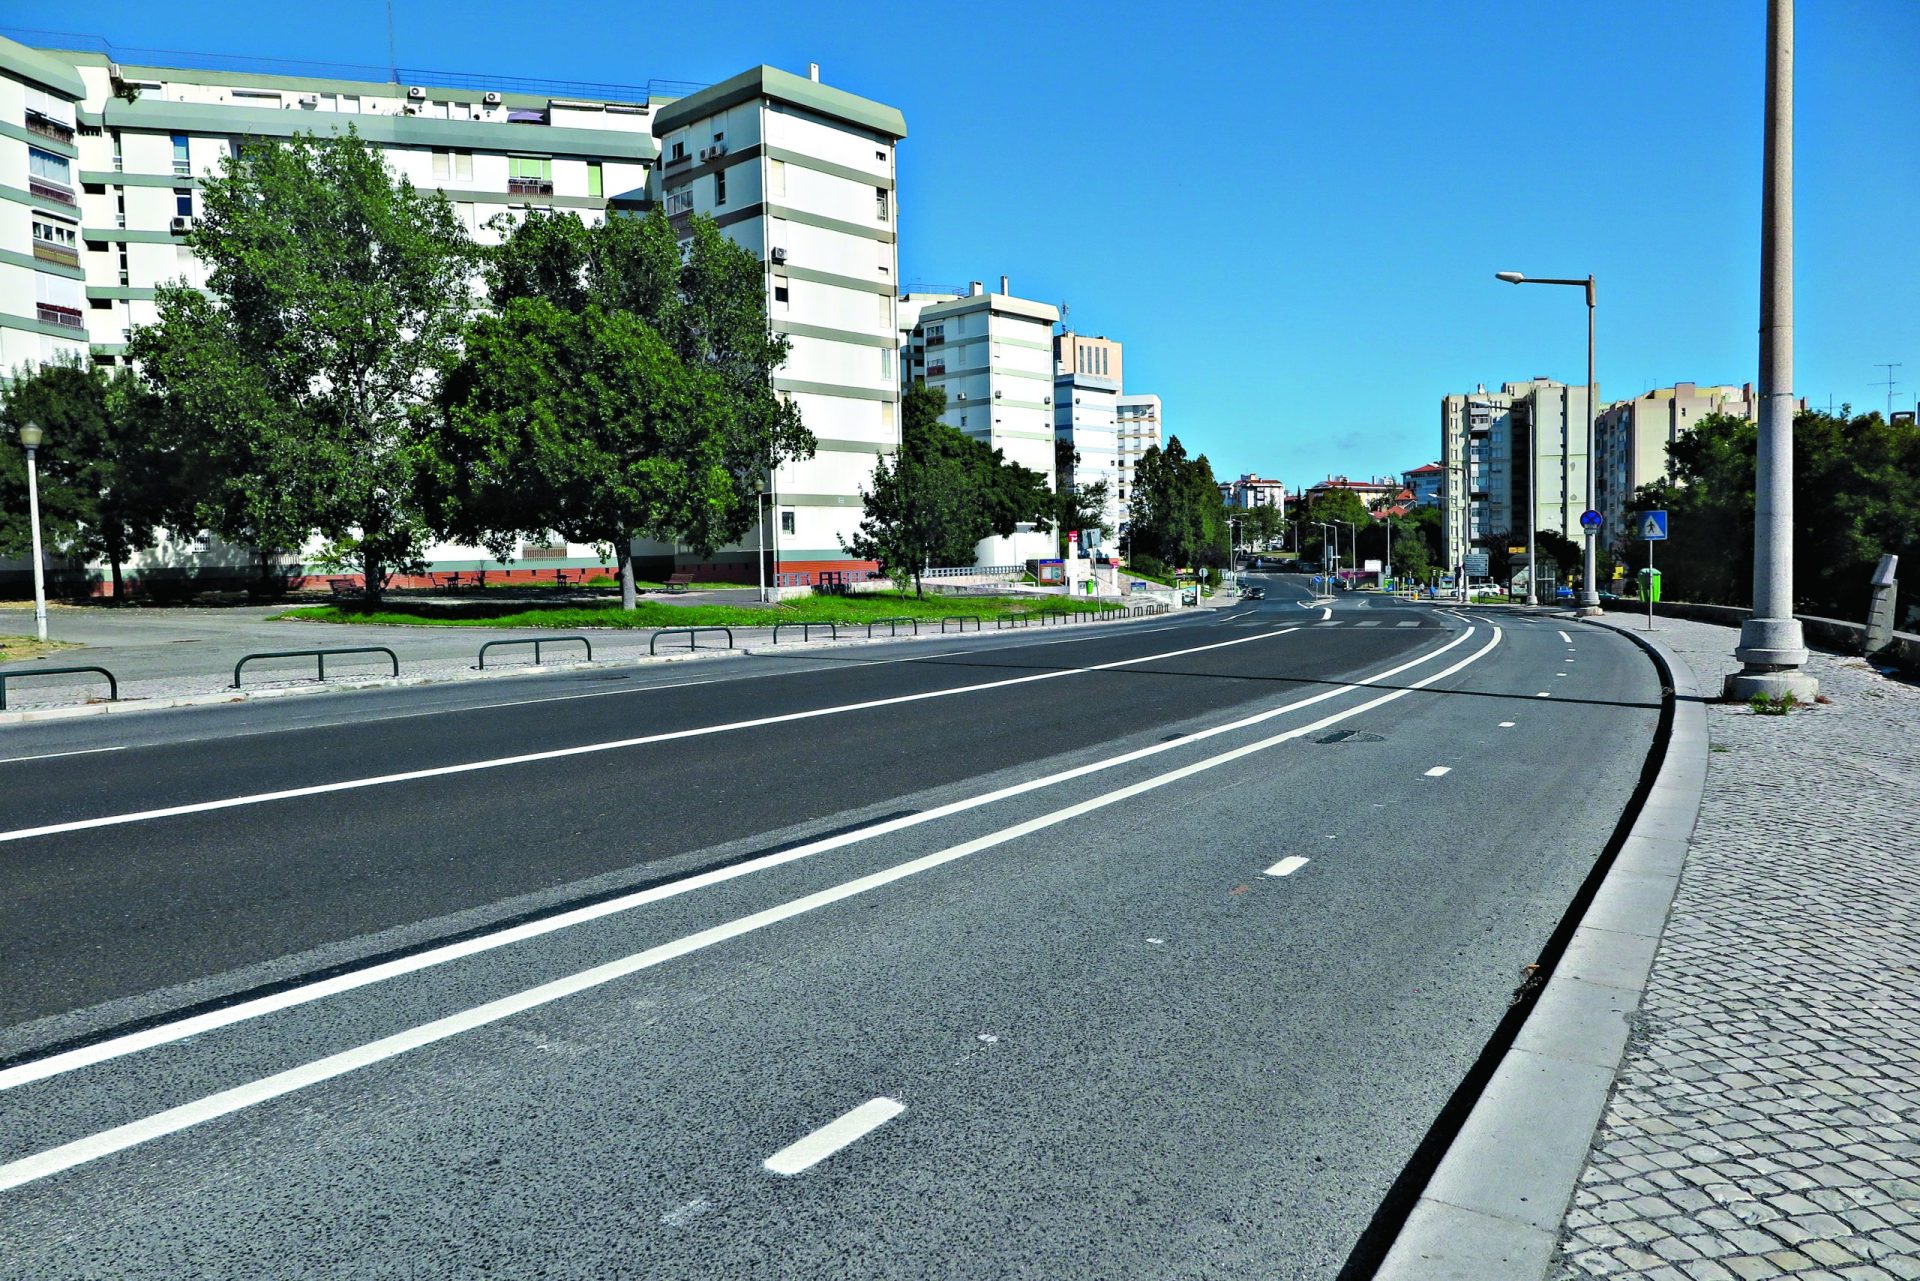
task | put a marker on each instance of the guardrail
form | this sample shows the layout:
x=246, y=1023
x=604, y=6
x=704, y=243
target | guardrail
x=1009, y=619
x=962, y=619
x=894, y=625
x=113, y=686
x=320, y=657
x=691, y=633
x=536, y=642
x=806, y=634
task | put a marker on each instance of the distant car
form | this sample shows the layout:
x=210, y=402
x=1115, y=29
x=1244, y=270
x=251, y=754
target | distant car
x=1254, y=593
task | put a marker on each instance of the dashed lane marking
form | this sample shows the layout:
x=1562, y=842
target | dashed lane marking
x=834, y=1135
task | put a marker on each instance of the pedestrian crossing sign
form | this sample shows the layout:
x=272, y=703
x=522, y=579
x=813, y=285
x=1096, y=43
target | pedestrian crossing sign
x=1652, y=526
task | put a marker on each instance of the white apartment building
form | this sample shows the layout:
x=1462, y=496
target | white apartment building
x=101, y=163
x=992, y=354
x=1250, y=490
x=1087, y=375
x=1493, y=442
x=1137, y=429
x=1632, y=436
x=802, y=175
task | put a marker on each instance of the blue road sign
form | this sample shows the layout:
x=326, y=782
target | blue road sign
x=1591, y=519
x=1651, y=526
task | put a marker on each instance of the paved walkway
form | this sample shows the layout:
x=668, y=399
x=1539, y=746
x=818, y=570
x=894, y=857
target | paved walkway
x=1766, y=1119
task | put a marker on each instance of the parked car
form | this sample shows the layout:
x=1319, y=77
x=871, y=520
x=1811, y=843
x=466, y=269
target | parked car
x=1254, y=593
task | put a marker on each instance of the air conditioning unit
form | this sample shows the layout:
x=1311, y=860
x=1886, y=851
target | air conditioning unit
x=180, y=226
x=416, y=92
x=309, y=99
x=718, y=149
x=491, y=98
x=961, y=396
x=705, y=153
x=998, y=394
x=777, y=255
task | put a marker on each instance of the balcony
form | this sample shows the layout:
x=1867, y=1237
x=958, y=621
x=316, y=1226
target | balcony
x=41, y=189
x=674, y=162
x=530, y=186
x=47, y=127
x=46, y=251
x=66, y=317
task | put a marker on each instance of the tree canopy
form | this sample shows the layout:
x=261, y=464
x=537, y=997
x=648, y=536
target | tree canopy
x=1176, y=514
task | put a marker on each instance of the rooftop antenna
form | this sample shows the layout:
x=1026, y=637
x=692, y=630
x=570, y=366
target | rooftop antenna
x=1889, y=366
x=393, y=62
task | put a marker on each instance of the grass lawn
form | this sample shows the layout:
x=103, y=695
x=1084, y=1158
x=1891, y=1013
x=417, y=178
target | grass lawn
x=15, y=648
x=605, y=580
x=861, y=608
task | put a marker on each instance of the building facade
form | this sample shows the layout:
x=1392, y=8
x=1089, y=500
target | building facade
x=1250, y=490
x=1137, y=428
x=1086, y=415
x=1494, y=444
x=101, y=163
x=1631, y=439
x=992, y=355
x=1424, y=484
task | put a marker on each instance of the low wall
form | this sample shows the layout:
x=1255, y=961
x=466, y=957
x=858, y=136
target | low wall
x=1828, y=633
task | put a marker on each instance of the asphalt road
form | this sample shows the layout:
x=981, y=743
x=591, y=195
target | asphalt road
x=1145, y=950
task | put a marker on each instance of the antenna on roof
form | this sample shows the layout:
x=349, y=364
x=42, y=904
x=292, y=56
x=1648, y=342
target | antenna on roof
x=393, y=62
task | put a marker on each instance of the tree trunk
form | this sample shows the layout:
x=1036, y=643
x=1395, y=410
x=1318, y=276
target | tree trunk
x=375, y=573
x=629, y=598
x=119, y=586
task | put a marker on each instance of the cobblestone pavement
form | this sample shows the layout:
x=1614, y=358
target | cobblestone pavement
x=1766, y=1119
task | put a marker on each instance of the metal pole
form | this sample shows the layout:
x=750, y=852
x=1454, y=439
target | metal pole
x=1533, y=508
x=1589, y=585
x=39, y=568
x=759, y=548
x=1649, y=584
x=1771, y=645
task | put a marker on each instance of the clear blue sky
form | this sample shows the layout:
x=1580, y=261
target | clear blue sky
x=1291, y=212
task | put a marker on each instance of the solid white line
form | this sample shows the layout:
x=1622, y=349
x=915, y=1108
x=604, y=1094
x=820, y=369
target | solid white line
x=834, y=1135
x=1568, y=639
x=561, y=753
x=172, y=1120
x=1287, y=866
x=1438, y=770
x=48, y=756
x=260, y=1007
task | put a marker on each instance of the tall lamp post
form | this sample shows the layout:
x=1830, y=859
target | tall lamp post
x=760, y=537
x=1589, y=591
x=30, y=438
x=1353, y=533
x=1771, y=646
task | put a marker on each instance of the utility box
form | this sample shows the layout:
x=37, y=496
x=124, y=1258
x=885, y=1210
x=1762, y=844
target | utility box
x=1649, y=584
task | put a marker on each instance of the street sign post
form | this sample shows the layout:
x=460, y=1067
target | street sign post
x=1652, y=528
x=1591, y=519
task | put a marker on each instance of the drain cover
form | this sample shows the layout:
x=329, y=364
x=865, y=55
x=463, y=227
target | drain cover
x=1350, y=736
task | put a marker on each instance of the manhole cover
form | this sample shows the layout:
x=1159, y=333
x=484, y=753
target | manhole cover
x=1350, y=736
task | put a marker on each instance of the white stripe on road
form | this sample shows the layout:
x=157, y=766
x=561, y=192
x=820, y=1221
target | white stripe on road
x=1438, y=770
x=243, y=1011
x=226, y=1102
x=561, y=753
x=1326, y=613
x=1287, y=866
x=1506, y=724
x=1543, y=694
x=834, y=1135
x=1568, y=639
x=48, y=756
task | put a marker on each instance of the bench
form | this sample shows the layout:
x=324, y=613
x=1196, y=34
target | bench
x=679, y=582
x=342, y=587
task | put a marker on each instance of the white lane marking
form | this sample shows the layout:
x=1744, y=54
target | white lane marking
x=1543, y=694
x=1407, y=624
x=25, y=1170
x=1287, y=866
x=1326, y=613
x=585, y=749
x=1559, y=673
x=834, y=1135
x=687, y=1213
x=1506, y=724
x=1371, y=622
x=1438, y=770
x=48, y=756
x=1568, y=639
x=260, y=1007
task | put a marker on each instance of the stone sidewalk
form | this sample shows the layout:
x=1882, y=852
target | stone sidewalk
x=1766, y=1119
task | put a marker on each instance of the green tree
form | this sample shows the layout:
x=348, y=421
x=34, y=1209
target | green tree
x=1321, y=546
x=336, y=292
x=106, y=480
x=941, y=494
x=1176, y=514
x=1263, y=525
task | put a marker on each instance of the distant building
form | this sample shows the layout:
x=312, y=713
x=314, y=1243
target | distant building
x=1632, y=436
x=1255, y=491
x=991, y=354
x=1379, y=491
x=1493, y=442
x=1086, y=409
x=1138, y=429
x=1424, y=484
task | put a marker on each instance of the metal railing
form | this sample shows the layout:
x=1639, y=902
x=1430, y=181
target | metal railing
x=536, y=642
x=962, y=620
x=319, y=656
x=691, y=633
x=894, y=625
x=113, y=686
x=806, y=633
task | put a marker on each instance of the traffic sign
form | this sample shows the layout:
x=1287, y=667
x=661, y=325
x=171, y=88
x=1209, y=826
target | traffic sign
x=1516, y=551
x=1476, y=563
x=1591, y=519
x=1652, y=526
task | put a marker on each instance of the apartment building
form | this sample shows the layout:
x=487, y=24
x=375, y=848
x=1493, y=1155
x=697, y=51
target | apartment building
x=102, y=158
x=1494, y=443
x=1631, y=439
x=991, y=354
x=1087, y=376
x=1137, y=429
x=1249, y=490
x=1424, y=484
x=802, y=175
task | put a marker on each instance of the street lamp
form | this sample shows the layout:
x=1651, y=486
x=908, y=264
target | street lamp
x=30, y=438
x=760, y=537
x=1353, y=533
x=1589, y=592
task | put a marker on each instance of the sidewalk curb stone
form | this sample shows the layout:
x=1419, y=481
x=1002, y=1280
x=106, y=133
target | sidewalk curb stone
x=1492, y=1210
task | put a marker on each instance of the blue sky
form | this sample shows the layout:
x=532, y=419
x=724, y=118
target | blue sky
x=1291, y=213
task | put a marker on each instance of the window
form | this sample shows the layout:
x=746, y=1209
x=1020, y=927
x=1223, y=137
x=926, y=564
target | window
x=52, y=233
x=963, y=420
x=880, y=203
x=776, y=177
x=183, y=202
x=442, y=165
x=886, y=308
x=181, y=164
x=463, y=166
x=780, y=292
x=679, y=202
x=886, y=362
x=786, y=522
x=595, y=182
x=530, y=175
x=679, y=151
x=720, y=187
x=47, y=166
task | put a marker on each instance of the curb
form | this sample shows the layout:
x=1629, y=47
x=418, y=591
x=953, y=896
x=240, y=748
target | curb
x=352, y=684
x=1492, y=1210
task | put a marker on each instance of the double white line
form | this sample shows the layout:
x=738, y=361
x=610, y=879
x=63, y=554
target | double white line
x=226, y=1102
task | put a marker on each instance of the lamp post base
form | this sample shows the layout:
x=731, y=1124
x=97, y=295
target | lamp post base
x=1770, y=683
